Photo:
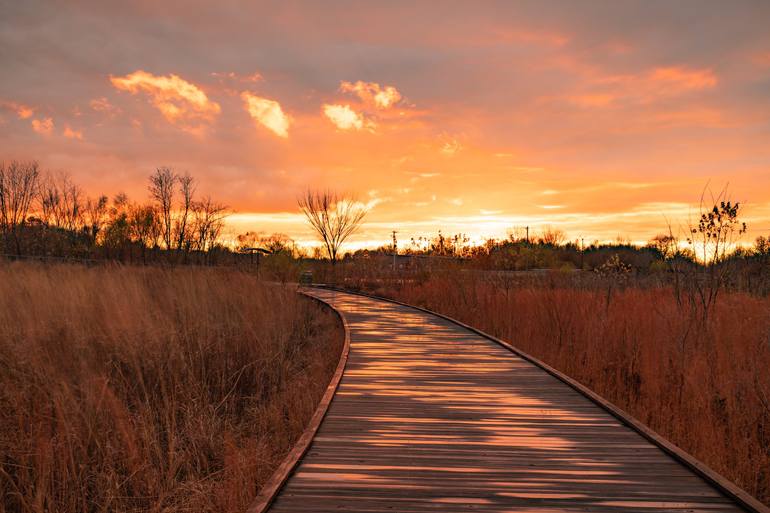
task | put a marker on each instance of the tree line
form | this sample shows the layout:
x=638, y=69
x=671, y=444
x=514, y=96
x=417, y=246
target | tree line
x=47, y=214
x=44, y=214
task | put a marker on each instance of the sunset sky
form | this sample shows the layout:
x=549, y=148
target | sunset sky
x=598, y=118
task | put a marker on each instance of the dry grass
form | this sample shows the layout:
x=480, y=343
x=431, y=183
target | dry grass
x=706, y=386
x=131, y=389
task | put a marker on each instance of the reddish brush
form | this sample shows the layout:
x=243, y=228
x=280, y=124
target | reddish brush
x=705, y=386
x=140, y=389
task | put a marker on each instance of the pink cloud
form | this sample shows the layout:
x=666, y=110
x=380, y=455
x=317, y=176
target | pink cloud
x=22, y=111
x=69, y=133
x=43, y=126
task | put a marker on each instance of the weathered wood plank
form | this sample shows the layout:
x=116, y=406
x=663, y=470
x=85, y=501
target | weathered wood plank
x=429, y=416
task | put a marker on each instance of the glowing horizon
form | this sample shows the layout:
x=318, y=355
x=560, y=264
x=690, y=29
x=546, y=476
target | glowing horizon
x=602, y=122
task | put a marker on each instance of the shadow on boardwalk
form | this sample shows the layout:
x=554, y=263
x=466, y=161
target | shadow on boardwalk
x=431, y=417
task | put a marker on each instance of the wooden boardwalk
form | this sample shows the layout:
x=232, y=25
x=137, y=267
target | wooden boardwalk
x=432, y=417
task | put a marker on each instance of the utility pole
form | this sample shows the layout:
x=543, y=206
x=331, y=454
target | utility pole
x=395, y=249
x=527, y=234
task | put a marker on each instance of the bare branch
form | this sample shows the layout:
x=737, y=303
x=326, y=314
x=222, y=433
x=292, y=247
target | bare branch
x=18, y=186
x=162, y=187
x=333, y=217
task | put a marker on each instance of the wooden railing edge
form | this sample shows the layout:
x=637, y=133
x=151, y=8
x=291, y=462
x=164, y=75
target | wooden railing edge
x=727, y=487
x=274, y=484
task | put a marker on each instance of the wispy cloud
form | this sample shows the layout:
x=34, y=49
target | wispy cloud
x=253, y=77
x=646, y=87
x=267, y=113
x=535, y=37
x=104, y=106
x=681, y=78
x=422, y=176
x=451, y=147
x=181, y=102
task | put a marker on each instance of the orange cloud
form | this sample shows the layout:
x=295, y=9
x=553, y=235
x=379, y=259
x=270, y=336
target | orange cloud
x=540, y=38
x=181, y=102
x=346, y=118
x=21, y=110
x=43, y=126
x=451, y=147
x=268, y=113
x=761, y=59
x=254, y=77
x=372, y=93
x=647, y=87
x=69, y=133
x=593, y=100
x=683, y=79
x=103, y=105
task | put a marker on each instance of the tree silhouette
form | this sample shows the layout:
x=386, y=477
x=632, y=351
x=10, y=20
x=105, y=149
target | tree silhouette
x=162, y=187
x=334, y=218
x=18, y=186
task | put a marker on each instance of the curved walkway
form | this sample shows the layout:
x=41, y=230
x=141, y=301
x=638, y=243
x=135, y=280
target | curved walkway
x=432, y=417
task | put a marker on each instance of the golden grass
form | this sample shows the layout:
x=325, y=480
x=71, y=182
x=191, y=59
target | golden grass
x=141, y=389
x=706, y=386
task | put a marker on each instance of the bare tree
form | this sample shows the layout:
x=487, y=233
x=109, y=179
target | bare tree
x=762, y=246
x=277, y=243
x=187, y=188
x=18, y=186
x=119, y=205
x=665, y=244
x=72, y=204
x=49, y=199
x=333, y=217
x=95, y=215
x=144, y=226
x=248, y=240
x=209, y=219
x=552, y=236
x=61, y=202
x=162, y=187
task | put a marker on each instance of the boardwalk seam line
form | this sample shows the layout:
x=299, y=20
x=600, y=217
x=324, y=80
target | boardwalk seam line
x=730, y=489
x=275, y=483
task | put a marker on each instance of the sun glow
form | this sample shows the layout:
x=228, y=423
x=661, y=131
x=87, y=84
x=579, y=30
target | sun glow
x=530, y=118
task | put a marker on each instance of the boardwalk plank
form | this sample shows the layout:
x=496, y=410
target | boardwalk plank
x=432, y=417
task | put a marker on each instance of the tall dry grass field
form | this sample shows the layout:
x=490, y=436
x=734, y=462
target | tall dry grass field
x=140, y=389
x=703, y=385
